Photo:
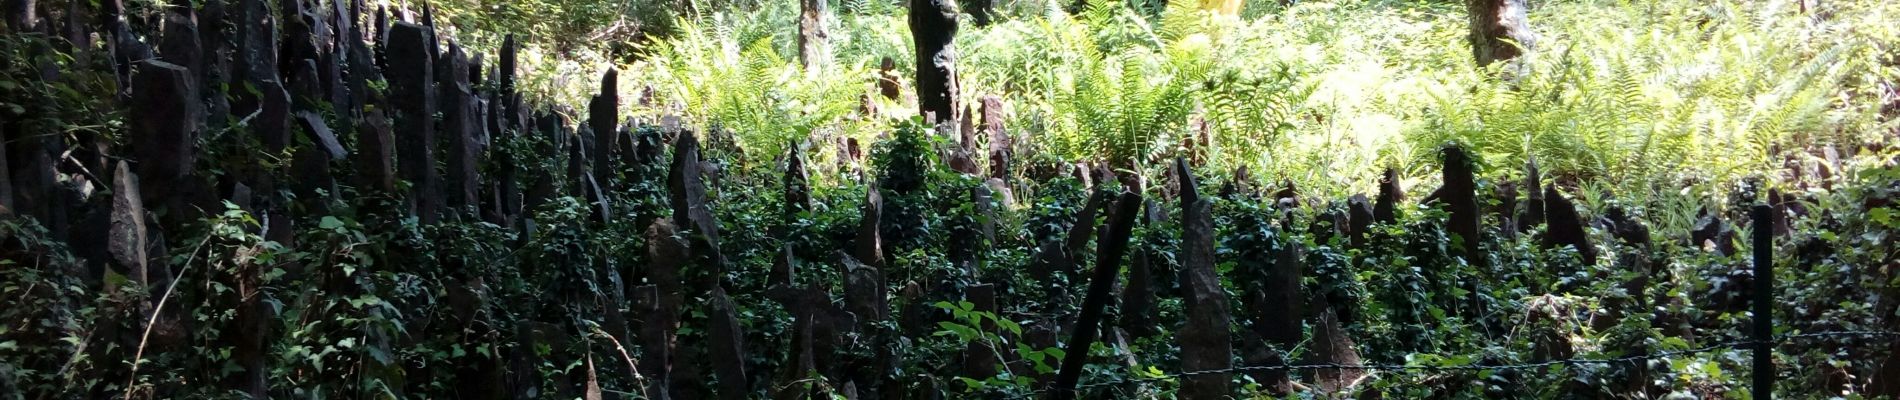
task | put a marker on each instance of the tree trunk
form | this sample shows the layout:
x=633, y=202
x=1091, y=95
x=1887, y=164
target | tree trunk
x=1495, y=24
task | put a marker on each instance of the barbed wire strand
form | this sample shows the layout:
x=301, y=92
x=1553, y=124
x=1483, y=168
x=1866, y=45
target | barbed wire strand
x=1731, y=345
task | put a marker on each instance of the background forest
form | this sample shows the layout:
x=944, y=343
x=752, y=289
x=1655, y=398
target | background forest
x=1134, y=199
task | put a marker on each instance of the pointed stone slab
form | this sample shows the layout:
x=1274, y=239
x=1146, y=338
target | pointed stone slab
x=310, y=165
x=164, y=124
x=1359, y=217
x=887, y=84
x=460, y=126
x=603, y=116
x=1626, y=228
x=181, y=44
x=576, y=147
x=321, y=135
x=688, y=190
x=411, y=78
x=1204, y=340
x=797, y=183
x=1566, y=226
x=1386, y=211
x=1000, y=143
x=1534, y=206
x=864, y=292
x=1504, y=206
x=1333, y=345
x=375, y=153
x=870, y=242
x=979, y=359
x=792, y=381
x=657, y=338
x=1138, y=295
x=6, y=176
x=727, y=347
x=784, y=268
x=1461, y=197
x=1710, y=229
x=126, y=241
x=1083, y=231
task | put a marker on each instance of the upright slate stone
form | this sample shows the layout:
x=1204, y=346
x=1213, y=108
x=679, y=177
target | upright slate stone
x=1205, y=344
x=1626, y=228
x=1386, y=211
x=126, y=241
x=1566, y=226
x=887, y=79
x=1461, y=197
x=459, y=129
x=257, y=66
x=361, y=69
x=164, y=125
x=124, y=46
x=728, y=347
x=576, y=147
x=1083, y=231
x=1778, y=208
x=688, y=195
x=311, y=166
x=375, y=153
x=1138, y=295
x=1000, y=142
x=667, y=255
x=985, y=200
x=1285, y=299
x=870, y=243
x=6, y=175
x=865, y=294
x=1359, y=216
x=506, y=82
x=337, y=57
x=1334, y=345
x=411, y=75
x=793, y=380
x=865, y=291
x=1534, y=206
x=979, y=358
x=1504, y=205
x=181, y=44
x=603, y=116
x=306, y=86
x=505, y=112
x=933, y=28
x=797, y=182
x=784, y=269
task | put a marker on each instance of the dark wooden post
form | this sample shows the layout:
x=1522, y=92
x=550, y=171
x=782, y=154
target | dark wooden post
x=1763, y=329
x=1107, y=266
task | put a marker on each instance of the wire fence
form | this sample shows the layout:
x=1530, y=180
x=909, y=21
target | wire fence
x=1729, y=345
